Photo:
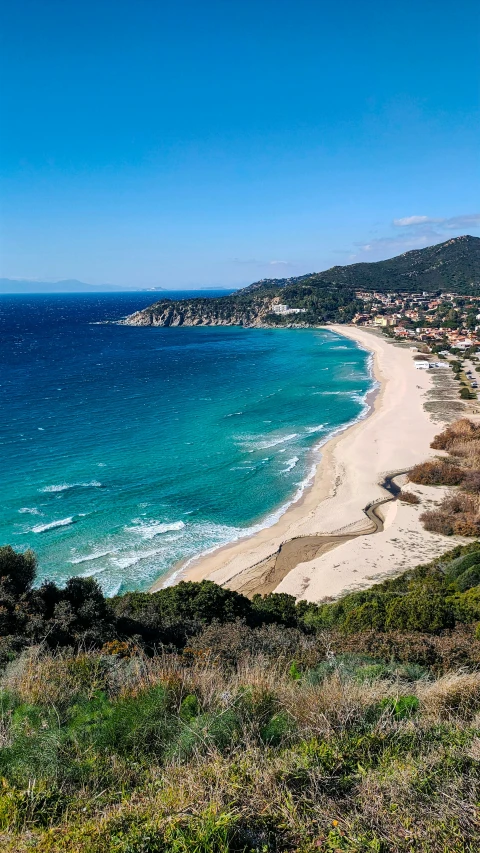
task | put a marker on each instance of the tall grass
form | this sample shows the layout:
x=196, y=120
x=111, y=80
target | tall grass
x=184, y=752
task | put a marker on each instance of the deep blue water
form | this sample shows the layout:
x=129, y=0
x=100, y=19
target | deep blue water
x=125, y=450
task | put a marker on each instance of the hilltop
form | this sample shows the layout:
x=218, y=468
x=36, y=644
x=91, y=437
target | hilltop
x=329, y=296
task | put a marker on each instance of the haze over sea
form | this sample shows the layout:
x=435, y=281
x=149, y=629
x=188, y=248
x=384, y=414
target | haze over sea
x=126, y=450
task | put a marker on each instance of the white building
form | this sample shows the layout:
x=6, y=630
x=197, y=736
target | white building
x=284, y=309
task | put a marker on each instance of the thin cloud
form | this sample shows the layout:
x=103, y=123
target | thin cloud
x=466, y=220
x=453, y=223
x=412, y=220
x=387, y=247
x=414, y=232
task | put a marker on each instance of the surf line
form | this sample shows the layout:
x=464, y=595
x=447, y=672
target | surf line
x=263, y=577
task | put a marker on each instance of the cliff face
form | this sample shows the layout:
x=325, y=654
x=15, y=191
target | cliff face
x=221, y=311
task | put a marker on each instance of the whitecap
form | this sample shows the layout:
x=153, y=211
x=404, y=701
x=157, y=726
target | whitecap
x=133, y=558
x=253, y=443
x=63, y=522
x=88, y=557
x=289, y=464
x=31, y=510
x=315, y=428
x=150, y=529
x=62, y=487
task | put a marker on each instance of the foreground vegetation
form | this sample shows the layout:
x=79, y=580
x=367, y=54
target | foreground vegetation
x=126, y=753
x=196, y=720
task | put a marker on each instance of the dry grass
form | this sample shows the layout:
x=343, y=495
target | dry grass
x=354, y=769
x=350, y=773
x=454, y=696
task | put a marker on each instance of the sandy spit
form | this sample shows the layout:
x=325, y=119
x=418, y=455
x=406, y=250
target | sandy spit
x=324, y=544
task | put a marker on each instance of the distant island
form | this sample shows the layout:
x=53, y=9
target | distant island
x=338, y=295
x=12, y=285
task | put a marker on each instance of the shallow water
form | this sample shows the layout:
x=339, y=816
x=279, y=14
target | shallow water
x=124, y=450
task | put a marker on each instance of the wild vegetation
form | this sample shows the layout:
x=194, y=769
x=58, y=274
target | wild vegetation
x=194, y=719
x=459, y=511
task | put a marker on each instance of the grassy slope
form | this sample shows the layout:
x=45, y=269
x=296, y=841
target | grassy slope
x=296, y=735
x=128, y=754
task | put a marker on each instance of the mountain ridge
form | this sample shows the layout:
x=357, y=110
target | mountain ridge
x=328, y=296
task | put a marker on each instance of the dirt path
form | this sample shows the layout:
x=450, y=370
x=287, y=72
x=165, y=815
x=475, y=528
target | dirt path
x=264, y=577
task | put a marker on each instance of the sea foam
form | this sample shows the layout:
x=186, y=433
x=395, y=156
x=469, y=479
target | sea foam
x=150, y=529
x=62, y=487
x=63, y=522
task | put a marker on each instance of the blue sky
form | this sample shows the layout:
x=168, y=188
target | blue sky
x=215, y=143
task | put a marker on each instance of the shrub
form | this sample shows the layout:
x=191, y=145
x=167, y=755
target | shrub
x=467, y=526
x=437, y=522
x=424, y=608
x=370, y=614
x=437, y=472
x=408, y=497
x=471, y=482
x=466, y=605
x=468, y=579
x=17, y=570
x=454, y=568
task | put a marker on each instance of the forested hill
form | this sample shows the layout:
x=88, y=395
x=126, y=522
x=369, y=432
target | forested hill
x=328, y=296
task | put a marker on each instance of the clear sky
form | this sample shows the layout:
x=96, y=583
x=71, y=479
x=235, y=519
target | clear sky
x=216, y=142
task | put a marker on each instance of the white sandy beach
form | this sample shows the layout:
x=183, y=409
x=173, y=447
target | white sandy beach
x=395, y=435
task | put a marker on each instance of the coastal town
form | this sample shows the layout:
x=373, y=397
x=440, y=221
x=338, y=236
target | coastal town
x=447, y=321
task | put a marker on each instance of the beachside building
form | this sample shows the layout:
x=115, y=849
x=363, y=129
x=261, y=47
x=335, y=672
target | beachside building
x=284, y=309
x=384, y=320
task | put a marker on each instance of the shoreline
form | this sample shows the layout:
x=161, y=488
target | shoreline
x=322, y=544
x=198, y=568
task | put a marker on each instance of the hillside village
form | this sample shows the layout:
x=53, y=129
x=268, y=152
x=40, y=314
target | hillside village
x=445, y=321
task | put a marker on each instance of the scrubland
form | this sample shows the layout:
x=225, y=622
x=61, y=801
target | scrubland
x=196, y=721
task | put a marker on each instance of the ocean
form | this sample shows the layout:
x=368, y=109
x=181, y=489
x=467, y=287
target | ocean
x=126, y=450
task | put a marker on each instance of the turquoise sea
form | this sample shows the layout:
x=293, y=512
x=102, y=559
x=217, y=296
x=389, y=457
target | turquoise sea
x=125, y=450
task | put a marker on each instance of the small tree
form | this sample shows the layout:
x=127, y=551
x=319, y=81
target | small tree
x=17, y=570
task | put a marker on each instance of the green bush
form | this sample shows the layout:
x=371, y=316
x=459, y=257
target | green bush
x=468, y=578
x=214, y=729
x=424, y=608
x=277, y=730
x=456, y=567
x=189, y=708
x=466, y=605
x=401, y=707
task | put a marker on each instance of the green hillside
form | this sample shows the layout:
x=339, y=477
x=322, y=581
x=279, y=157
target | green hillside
x=450, y=266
